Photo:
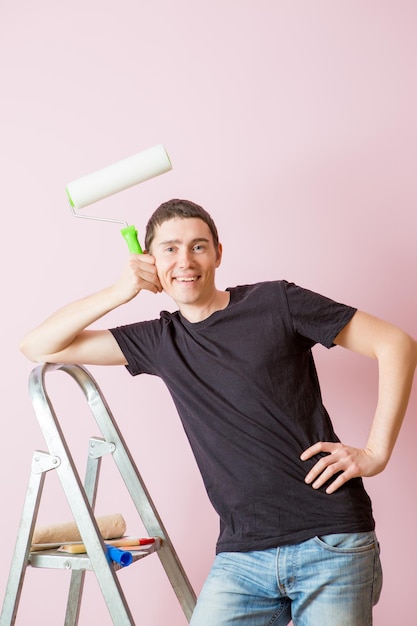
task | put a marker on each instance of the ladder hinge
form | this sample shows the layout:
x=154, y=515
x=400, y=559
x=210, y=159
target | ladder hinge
x=43, y=462
x=99, y=447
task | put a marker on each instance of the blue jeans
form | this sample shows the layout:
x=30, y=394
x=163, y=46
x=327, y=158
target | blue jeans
x=333, y=580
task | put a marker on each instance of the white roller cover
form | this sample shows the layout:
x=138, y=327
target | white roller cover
x=119, y=176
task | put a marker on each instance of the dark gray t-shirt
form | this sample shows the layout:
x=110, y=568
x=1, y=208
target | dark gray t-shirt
x=246, y=389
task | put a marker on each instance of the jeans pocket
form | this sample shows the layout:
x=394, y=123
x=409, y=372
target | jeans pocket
x=348, y=542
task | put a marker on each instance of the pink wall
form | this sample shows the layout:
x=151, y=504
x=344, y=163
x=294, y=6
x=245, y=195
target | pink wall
x=294, y=124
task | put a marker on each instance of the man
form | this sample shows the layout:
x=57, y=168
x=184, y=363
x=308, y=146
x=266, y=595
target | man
x=297, y=534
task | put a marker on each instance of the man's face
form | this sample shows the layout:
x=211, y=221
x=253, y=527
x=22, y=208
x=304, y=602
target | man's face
x=186, y=260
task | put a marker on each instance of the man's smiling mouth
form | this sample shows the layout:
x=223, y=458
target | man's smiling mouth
x=186, y=279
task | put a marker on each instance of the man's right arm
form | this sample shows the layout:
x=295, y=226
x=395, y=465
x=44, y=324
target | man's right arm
x=64, y=336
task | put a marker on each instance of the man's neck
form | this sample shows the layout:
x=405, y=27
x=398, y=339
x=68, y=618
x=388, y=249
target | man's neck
x=197, y=313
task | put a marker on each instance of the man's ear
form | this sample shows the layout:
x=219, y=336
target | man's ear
x=219, y=254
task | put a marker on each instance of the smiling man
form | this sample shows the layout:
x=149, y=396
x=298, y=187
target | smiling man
x=297, y=536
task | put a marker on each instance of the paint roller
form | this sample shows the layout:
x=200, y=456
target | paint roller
x=114, y=178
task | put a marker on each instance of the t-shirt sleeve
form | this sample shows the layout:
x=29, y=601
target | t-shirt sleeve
x=139, y=343
x=316, y=317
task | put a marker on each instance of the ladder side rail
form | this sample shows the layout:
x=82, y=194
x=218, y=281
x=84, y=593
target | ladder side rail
x=76, y=588
x=24, y=537
x=133, y=481
x=167, y=553
x=78, y=501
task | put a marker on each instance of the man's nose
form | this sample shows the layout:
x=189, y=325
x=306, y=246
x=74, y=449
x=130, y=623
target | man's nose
x=184, y=258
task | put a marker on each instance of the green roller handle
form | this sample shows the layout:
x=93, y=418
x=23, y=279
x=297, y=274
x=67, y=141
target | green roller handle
x=131, y=236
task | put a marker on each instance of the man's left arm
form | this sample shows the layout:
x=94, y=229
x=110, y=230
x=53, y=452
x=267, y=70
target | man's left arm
x=396, y=353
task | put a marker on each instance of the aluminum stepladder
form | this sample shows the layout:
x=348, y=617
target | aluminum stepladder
x=81, y=499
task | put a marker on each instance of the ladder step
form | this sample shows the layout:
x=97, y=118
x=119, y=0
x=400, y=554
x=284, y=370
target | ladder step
x=55, y=559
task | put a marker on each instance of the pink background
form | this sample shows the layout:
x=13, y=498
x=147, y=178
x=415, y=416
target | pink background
x=294, y=123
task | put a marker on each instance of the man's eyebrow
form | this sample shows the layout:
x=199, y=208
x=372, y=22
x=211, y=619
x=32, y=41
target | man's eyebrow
x=168, y=242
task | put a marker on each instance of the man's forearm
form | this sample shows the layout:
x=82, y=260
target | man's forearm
x=65, y=328
x=396, y=353
x=59, y=330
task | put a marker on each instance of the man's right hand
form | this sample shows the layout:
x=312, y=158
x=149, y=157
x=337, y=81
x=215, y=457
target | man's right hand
x=139, y=273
